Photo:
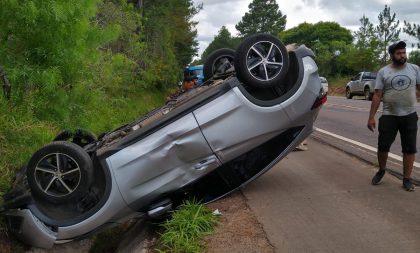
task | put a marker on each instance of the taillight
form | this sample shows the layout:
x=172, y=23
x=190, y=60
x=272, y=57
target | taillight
x=321, y=99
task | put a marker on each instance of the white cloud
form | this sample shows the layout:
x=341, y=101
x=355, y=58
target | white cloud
x=347, y=13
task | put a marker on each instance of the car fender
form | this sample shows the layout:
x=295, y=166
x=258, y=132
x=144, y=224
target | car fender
x=348, y=85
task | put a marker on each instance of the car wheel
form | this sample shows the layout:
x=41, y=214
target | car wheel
x=261, y=61
x=59, y=172
x=367, y=94
x=79, y=136
x=348, y=94
x=218, y=63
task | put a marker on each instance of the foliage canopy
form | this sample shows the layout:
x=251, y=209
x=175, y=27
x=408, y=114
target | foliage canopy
x=264, y=16
x=387, y=31
x=223, y=39
x=327, y=39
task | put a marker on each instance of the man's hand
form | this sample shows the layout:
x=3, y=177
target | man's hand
x=371, y=124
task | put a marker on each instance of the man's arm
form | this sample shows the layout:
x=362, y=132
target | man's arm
x=376, y=101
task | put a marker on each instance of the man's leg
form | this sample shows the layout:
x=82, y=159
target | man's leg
x=408, y=162
x=388, y=129
x=382, y=158
x=408, y=132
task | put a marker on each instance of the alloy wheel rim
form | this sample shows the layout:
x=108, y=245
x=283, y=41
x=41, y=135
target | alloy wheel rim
x=264, y=61
x=57, y=175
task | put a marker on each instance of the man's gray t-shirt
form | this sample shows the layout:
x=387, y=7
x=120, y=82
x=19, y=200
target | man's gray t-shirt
x=399, y=89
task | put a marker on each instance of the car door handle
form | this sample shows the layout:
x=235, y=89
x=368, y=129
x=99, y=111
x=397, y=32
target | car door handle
x=201, y=165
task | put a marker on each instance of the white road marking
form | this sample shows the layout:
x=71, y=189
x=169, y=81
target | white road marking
x=351, y=107
x=346, y=106
x=362, y=145
x=359, y=108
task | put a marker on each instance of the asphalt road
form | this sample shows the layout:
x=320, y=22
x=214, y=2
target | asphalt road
x=348, y=118
x=321, y=200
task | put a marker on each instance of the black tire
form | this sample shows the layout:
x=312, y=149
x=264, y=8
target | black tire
x=79, y=136
x=261, y=61
x=348, y=93
x=218, y=63
x=60, y=172
x=367, y=94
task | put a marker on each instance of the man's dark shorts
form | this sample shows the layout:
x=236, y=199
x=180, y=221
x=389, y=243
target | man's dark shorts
x=389, y=125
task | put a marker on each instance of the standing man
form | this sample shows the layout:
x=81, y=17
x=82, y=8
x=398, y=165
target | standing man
x=396, y=85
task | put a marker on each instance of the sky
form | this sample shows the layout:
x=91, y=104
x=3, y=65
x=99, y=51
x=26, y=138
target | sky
x=347, y=13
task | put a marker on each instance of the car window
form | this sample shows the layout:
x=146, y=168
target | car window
x=199, y=72
x=373, y=75
x=369, y=75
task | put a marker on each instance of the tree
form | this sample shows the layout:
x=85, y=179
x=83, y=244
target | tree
x=183, y=32
x=328, y=40
x=170, y=36
x=365, y=36
x=414, y=57
x=264, y=16
x=366, y=54
x=413, y=30
x=35, y=37
x=387, y=31
x=315, y=34
x=124, y=15
x=223, y=39
x=48, y=47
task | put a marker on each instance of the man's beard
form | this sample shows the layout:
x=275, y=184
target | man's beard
x=399, y=62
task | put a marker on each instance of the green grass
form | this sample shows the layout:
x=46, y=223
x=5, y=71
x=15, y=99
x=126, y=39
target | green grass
x=185, y=230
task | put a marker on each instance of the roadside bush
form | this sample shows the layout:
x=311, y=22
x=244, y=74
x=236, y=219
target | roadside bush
x=20, y=135
x=83, y=63
x=414, y=57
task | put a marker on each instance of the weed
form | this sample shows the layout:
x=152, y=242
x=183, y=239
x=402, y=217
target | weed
x=184, y=231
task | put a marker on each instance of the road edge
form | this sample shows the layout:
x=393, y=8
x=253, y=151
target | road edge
x=394, y=167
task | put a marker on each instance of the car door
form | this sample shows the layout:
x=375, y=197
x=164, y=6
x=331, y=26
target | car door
x=164, y=161
x=353, y=83
x=359, y=83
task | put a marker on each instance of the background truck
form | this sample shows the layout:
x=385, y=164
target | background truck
x=363, y=84
x=197, y=71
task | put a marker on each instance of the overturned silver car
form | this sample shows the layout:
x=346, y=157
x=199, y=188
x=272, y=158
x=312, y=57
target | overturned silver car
x=257, y=104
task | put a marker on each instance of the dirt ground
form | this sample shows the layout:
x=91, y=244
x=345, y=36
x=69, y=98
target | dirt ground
x=238, y=229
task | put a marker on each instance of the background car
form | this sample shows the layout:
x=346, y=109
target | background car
x=207, y=143
x=324, y=83
x=196, y=70
x=362, y=84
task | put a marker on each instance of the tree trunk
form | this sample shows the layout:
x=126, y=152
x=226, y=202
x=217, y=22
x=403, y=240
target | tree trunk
x=7, y=88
